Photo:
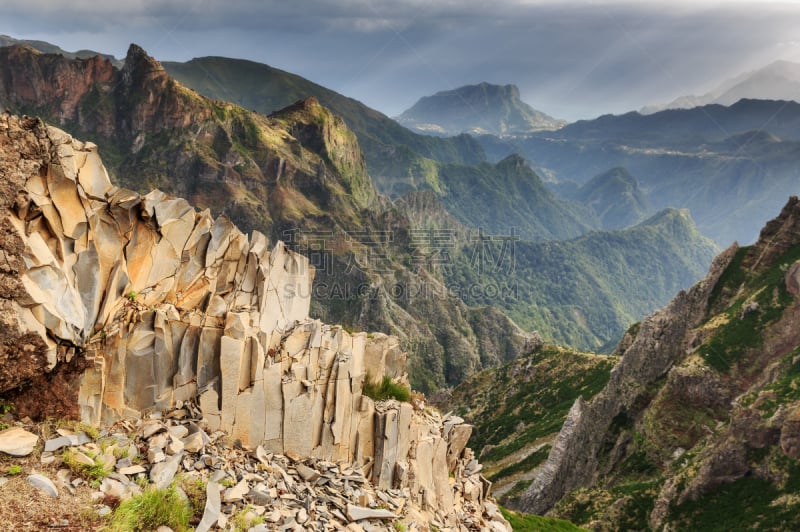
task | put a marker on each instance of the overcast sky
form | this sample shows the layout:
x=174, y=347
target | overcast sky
x=570, y=59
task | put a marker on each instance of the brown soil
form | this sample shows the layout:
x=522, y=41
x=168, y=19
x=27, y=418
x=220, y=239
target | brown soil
x=25, y=508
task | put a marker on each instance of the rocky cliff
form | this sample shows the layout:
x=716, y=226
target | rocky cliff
x=696, y=427
x=140, y=303
x=297, y=175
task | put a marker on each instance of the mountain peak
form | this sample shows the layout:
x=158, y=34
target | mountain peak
x=778, y=235
x=482, y=108
x=137, y=60
x=616, y=198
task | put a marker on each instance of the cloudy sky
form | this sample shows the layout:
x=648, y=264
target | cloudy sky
x=570, y=59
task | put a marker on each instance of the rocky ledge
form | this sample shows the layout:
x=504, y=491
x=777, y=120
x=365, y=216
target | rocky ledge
x=139, y=304
x=263, y=490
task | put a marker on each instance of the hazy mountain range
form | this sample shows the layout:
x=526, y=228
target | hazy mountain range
x=777, y=81
x=730, y=166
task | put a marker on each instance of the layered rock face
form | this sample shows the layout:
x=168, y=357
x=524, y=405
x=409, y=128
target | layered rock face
x=168, y=305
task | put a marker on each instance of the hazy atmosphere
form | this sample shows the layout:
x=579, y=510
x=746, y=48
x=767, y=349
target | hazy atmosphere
x=570, y=59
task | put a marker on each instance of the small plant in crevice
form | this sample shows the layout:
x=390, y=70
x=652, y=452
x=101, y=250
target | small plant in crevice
x=94, y=473
x=386, y=389
x=245, y=519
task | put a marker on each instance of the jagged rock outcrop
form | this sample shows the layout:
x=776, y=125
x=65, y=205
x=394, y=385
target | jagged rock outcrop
x=659, y=342
x=701, y=409
x=168, y=305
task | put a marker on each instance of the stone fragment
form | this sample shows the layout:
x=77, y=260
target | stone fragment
x=357, y=513
x=17, y=441
x=175, y=446
x=44, y=484
x=212, y=510
x=114, y=488
x=82, y=459
x=178, y=432
x=57, y=443
x=158, y=442
x=131, y=470
x=306, y=473
x=193, y=442
x=150, y=428
x=236, y=493
x=259, y=497
x=155, y=456
x=162, y=473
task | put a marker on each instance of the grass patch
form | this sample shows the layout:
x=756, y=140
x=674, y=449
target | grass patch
x=386, y=389
x=93, y=473
x=77, y=426
x=195, y=489
x=151, y=509
x=535, y=523
x=245, y=519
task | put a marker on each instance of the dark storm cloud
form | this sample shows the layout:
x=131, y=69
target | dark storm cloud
x=570, y=59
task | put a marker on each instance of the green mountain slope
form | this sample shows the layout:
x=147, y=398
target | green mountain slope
x=400, y=161
x=585, y=292
x=518, y=409
x=482, y=108
x=699, y=426
x=391, y=150
x=509, y=196
x=616, y=198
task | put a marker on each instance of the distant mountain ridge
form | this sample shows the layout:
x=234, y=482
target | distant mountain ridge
x=731, y=166
x=401, y=161
x=48, y=48
x=477, y=109
x=780, y=80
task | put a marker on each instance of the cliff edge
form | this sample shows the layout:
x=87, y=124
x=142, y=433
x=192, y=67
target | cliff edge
x=138, y=304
